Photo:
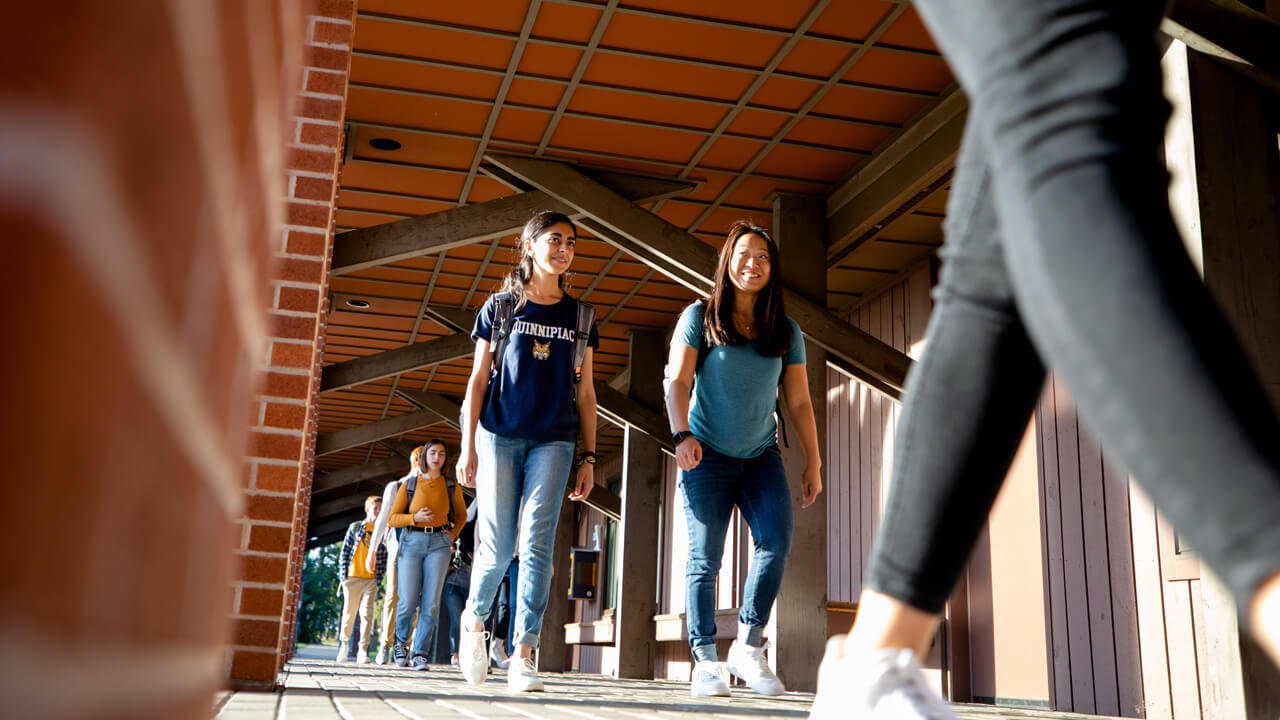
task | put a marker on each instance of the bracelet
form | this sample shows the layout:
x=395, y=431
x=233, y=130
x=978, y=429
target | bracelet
x=589, y=457
x=679, y=437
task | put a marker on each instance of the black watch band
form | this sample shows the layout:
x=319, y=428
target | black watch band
x=589, y=457
x=679, y=437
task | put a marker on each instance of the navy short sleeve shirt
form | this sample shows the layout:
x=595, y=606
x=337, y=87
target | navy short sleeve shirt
x=533, y=395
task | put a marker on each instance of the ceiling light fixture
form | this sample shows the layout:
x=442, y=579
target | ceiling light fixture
x=359, y=304
x=381, y=143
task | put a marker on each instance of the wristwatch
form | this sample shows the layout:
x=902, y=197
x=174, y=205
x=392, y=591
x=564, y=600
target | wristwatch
x=588, y=457
x=679, y=437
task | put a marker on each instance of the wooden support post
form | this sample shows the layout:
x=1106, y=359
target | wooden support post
x=639, y=535
x=1222, y=150
x=798, y=628
x=552, y=652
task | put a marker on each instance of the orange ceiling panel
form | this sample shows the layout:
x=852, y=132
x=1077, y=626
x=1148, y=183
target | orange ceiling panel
x=909, y=31
x=672, y=145
x=610, y=163
x=571, y=23
x=784, y=93
x=486, y=188
x=505, y=15
x=459, y=116
x=808, y=163
x=528, y=91
x=432, y=183
x=823, y=131
x=397, y=73
x=914, y=227
x=769, y=13
x=433, y=43
x=757, y=122
x=710, y=184
x=897, y=69
x=816, y=58
x=621, y=104
x=667, y=76
x=882, y=255
x=549, y=60
x=852, y=102
x=731, y=154
x=851, y=20
x=521, y=125
x=415, y=148
x=345, y=218
x=672, y=37
x=716, y=225
x=361, y=200
x=755, y=191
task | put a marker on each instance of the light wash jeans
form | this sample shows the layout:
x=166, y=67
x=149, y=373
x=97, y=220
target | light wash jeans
x=758, y=487
x=423, y=563
x=1061, y=251
x=520, y=486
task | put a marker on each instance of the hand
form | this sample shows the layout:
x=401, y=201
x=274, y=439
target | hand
x=371, y=561
x=466, y=467
x=688, y=453
x=424, y=517
x=585, y=480
x=810, y=485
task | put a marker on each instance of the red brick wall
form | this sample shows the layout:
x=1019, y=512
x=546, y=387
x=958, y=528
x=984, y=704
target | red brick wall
x=141, y=164
x=282, y=450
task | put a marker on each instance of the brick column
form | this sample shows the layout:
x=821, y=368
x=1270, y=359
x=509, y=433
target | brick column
x=141, y=168
x=281, y=458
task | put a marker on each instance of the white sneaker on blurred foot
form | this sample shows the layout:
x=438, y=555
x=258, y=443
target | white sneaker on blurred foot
x=887, y=685
x=522, y=675
x=708, y=680
x=473, y=657
x=498, y=654
x=749, y=664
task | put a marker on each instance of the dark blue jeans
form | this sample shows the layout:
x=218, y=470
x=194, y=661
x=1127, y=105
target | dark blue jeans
x=758, y=487
x=1061, y=252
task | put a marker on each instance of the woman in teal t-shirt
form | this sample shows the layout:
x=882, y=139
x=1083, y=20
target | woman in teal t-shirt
x=733, y=351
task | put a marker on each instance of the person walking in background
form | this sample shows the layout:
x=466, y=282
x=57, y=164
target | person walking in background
x=733, y=352
x=529, y=398
x=359, y=584
x=1066, y=124
x=431, y=510
x=385, y=536
x=458, y=583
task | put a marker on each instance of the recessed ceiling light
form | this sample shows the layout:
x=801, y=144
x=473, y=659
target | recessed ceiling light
x=381, y=143
x=361, y=304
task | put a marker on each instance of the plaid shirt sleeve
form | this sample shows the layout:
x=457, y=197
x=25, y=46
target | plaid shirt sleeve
x=381, y=562
x=348, y=549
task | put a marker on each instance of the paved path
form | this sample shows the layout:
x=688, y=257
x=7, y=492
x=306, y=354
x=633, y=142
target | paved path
x=317, y=688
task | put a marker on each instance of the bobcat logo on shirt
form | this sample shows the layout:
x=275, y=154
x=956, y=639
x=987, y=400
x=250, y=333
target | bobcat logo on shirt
x=541, y=350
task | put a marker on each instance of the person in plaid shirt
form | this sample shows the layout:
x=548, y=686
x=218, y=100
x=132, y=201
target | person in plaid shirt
x=359, y=586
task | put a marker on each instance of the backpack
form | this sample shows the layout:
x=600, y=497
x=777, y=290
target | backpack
x=703, y=351
x=504, y=309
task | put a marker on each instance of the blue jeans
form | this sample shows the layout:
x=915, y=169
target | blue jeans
x=520, y=486
x=422, y=563
x=758, y=487
x=1061, y=252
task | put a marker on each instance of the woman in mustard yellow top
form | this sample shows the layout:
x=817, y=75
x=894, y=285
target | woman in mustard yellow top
x=427, y=531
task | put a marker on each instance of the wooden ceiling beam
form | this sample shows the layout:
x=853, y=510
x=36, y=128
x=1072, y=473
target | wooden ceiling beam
x=393, y=465
x=390, y=427
x=1244, y=39
x=448, y=229
x=919, y=155
x=393, y=362
x=684, y=257
x=447, y=410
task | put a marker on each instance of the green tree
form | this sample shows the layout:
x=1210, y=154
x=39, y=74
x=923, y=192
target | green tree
x=321, y=595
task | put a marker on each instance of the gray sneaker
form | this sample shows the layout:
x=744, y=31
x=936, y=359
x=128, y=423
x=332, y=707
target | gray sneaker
x=420, y=663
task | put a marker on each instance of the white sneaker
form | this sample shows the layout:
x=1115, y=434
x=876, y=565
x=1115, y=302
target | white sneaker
x=885, y=686
x=342, y=654
x=498, y=654
x=749, y=663
x=362, y=658
x=708, y=680
x=473, y=659
x=522, y=675
x=382, y=656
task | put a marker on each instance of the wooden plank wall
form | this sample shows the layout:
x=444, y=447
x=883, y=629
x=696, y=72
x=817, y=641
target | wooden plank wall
x=861, y=424
x=1125, y=641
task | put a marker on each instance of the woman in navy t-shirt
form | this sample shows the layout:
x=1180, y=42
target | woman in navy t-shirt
x=725, y=438
x=519, y=426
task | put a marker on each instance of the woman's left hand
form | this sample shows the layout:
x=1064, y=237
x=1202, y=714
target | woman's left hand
x=585, y=480
x=811, y=485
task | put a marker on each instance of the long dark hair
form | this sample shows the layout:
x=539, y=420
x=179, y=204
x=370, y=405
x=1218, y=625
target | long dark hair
x=522, y=273
x=774, y=336
x=420, y=452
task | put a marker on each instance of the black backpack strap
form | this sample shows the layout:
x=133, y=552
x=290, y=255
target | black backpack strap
x=449, y=485
x=504, y=307
x=582, y=337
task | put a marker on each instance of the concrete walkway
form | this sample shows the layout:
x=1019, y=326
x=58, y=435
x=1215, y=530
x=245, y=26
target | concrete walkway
x=317, y=688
